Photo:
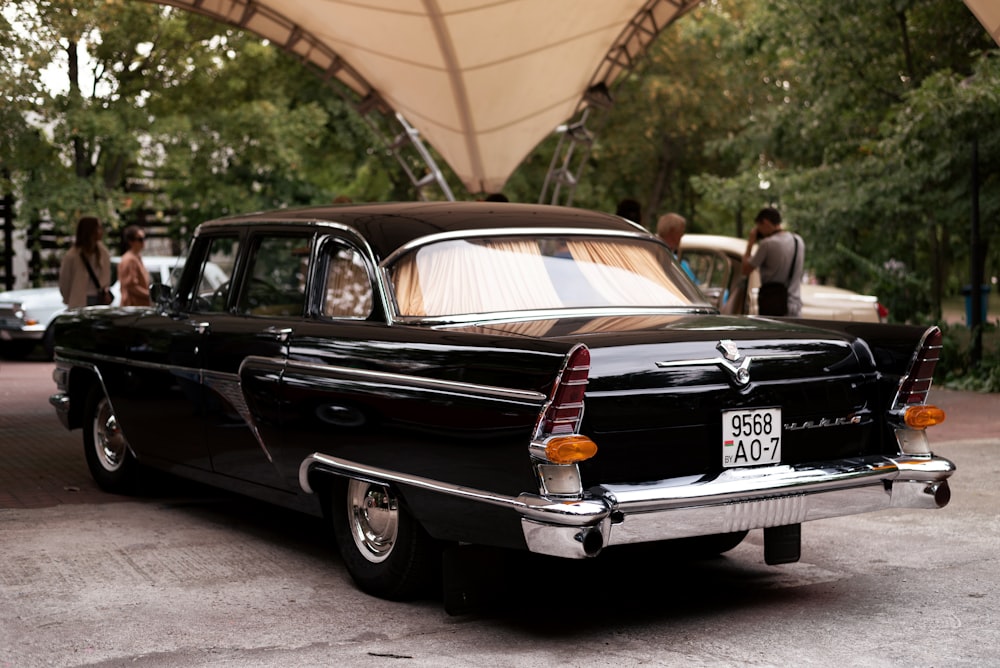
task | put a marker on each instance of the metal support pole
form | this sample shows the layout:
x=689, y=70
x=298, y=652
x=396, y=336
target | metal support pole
x=975, y=265
x=562, y=172
x=7, y=207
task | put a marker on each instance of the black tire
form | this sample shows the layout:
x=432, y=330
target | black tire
x=49, y=343
x=385, y=550
x=109, y=457
x=17, y=350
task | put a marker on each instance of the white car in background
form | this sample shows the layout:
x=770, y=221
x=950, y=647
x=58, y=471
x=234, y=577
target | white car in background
x=716, y=263
x=25, y=314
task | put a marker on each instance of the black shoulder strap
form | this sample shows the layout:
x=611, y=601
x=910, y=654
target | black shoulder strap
x=90, y=271
x=791, y=270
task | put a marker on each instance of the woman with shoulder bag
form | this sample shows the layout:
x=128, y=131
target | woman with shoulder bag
x=85, y=272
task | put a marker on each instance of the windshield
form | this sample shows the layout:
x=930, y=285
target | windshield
x=504, y=274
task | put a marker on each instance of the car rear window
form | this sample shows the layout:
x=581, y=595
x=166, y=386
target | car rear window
x=503, y=274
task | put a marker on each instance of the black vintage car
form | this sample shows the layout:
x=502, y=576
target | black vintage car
x=527, y=377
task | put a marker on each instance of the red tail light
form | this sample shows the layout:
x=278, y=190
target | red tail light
x=916, y=384
x=564, y=410
x=883, y=312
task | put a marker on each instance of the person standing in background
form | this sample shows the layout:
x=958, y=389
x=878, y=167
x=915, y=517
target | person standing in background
x=132, y=273
x=670, y=228
x=779, y=257
x=630, y=210
x=85, y=271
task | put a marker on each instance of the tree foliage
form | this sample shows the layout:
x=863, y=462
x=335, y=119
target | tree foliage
x=169, y=112
x=856, y=118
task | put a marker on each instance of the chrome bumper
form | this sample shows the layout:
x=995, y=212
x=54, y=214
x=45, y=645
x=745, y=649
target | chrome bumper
x=60, y=401
x=734, y=500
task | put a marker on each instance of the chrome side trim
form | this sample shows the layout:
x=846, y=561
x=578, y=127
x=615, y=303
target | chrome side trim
x=230, y=388
x=62, y=354
x=422, y=382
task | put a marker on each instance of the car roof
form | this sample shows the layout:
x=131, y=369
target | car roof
x=389, y=226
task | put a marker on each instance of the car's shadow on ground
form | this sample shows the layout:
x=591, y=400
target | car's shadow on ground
x=629, y=583
x=636, y=583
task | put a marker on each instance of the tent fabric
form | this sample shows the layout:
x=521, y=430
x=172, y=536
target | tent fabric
x=483, y=81
x=988, y=13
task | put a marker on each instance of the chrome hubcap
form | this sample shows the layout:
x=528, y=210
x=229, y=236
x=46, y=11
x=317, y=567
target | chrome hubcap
x=373, y=514
x=108, y=439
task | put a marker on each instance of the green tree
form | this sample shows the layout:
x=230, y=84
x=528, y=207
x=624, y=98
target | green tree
x=668, y=117
x=836, y=82
x=170, y=112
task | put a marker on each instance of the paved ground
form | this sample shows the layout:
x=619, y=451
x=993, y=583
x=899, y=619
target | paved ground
x=41, y=463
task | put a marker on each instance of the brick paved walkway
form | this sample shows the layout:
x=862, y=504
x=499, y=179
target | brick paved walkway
x=42, y=464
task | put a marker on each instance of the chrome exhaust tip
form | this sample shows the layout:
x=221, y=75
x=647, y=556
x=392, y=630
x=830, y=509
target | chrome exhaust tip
x=593, y=542
x=942, y=493
x=928, y=494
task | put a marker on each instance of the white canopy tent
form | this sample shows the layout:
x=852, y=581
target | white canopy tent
x=988, y=13
x=483, y=81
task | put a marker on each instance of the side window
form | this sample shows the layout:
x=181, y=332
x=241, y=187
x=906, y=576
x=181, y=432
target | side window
x=348, y=289
x=276, y=282
x=711, y=269
x=211, y=289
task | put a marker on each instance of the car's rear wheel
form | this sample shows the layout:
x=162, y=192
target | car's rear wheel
x=109, y=457
x=386, y=551
x=49, y=342
x=17, y=350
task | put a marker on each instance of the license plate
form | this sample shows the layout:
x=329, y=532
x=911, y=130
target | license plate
x=751, y=437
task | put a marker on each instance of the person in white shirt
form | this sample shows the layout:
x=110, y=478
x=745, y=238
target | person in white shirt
x=78, y=284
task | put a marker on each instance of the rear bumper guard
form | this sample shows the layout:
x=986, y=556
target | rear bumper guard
x=734, y=500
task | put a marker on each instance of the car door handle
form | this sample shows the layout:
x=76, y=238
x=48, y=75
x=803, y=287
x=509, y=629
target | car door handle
x=201, y=327
x=279, y=333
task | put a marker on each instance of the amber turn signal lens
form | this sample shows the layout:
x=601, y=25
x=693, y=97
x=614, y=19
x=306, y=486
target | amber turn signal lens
x=921, y=417
x=569, y=449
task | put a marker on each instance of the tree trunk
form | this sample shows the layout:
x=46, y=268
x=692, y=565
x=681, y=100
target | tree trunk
x=661, y=181
x=80, y=163
x=938, y=243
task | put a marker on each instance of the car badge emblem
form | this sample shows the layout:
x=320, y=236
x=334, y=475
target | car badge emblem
x=728, y=350
x=735, y=363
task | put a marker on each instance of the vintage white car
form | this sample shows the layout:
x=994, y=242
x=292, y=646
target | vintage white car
x=25, y=315
x=715, y=261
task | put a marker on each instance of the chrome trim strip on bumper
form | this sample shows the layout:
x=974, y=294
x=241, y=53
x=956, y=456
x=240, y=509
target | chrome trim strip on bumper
x=734, y=500
x=574, y=513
